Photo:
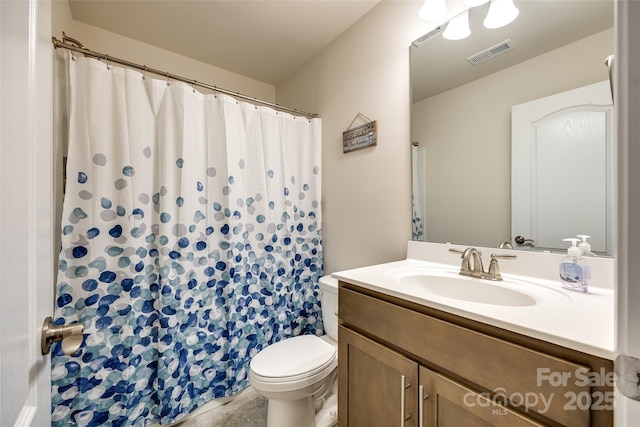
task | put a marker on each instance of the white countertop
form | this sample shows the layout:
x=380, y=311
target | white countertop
x=580, y=321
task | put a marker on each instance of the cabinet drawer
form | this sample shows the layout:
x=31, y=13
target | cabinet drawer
x=525, y=379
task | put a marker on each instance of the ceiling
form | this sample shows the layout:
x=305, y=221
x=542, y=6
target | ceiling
x=269, y=40
x=261, y=39
x=438, y=64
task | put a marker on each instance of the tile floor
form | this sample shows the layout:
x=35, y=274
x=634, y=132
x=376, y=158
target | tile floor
x=248, y=410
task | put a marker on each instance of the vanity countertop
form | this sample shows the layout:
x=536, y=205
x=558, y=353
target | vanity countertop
x=580, y=321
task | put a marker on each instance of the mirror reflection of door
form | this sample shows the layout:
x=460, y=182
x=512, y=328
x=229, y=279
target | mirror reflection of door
x=571, y=131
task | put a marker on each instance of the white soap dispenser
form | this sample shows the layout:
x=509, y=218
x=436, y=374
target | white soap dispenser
x=585, y=247
x=575, y=273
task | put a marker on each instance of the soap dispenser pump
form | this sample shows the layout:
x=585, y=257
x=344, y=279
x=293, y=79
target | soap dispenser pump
x=585, y=246
x=575, y=273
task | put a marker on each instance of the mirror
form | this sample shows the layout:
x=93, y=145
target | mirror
x=461, y=113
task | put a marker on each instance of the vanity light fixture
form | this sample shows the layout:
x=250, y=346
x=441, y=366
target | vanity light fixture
x=501, y=13
x=433, y=10
x=458, y=27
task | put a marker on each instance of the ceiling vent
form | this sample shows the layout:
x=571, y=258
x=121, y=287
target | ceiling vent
x=491, y=52
x=427, y=36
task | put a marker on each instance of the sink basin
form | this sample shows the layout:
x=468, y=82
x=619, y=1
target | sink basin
x=448, y=285
x=470, y=289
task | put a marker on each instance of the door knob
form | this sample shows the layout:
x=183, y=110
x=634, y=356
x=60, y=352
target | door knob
x=521, y=240
x=70, y=335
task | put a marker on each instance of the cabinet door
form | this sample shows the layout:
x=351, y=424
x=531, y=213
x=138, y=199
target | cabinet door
x=377, y=386
x=449, y=404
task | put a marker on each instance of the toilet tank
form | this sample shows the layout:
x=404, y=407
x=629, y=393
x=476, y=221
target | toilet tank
x=329, y=289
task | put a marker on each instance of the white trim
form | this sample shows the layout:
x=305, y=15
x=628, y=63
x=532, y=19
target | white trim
x=627, y=110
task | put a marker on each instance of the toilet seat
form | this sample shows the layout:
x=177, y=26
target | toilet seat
x=293, y=359
x=293, y=363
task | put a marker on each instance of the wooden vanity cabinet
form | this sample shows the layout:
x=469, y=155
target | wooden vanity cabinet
x=385, y=388
x=403, y=364
x=380, y=385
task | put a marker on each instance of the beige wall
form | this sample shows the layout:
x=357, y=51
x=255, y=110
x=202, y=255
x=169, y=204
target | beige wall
x=467, y=135
x=366, y=193
x=61, y=19
x=102, y=41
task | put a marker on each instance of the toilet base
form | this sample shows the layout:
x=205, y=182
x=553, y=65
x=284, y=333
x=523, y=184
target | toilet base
x=293, y=413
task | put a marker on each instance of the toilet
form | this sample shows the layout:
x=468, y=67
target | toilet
x=293, y=372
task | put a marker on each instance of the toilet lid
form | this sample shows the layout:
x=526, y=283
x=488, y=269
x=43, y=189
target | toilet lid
x=299, y=356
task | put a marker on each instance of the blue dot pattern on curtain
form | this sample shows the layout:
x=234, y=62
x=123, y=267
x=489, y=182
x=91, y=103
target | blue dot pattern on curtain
x=182, y=261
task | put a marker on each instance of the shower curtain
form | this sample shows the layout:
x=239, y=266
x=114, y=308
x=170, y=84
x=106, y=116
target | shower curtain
x=191, y=239
x=418, y=164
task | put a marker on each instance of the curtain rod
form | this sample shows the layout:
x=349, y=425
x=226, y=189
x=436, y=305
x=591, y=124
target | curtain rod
x=76, y=46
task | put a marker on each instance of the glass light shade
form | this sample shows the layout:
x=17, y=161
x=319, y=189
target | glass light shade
x=433, y=10
x=458, y=27
x=474, y=3
x=501, y=13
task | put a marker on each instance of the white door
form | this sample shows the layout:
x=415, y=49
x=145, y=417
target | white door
x=562, y=168
x=26, y=267
x=627, y=101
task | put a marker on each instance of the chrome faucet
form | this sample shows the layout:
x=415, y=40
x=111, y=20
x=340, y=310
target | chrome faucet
x=505, y=245
x=477, y=271
x=468, y=255
x=478, y=268
x=494, y=269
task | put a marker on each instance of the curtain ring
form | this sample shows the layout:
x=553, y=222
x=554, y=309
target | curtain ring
x=168, y=84
x=106, y=57
x=193, y=86
x=144, y=71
